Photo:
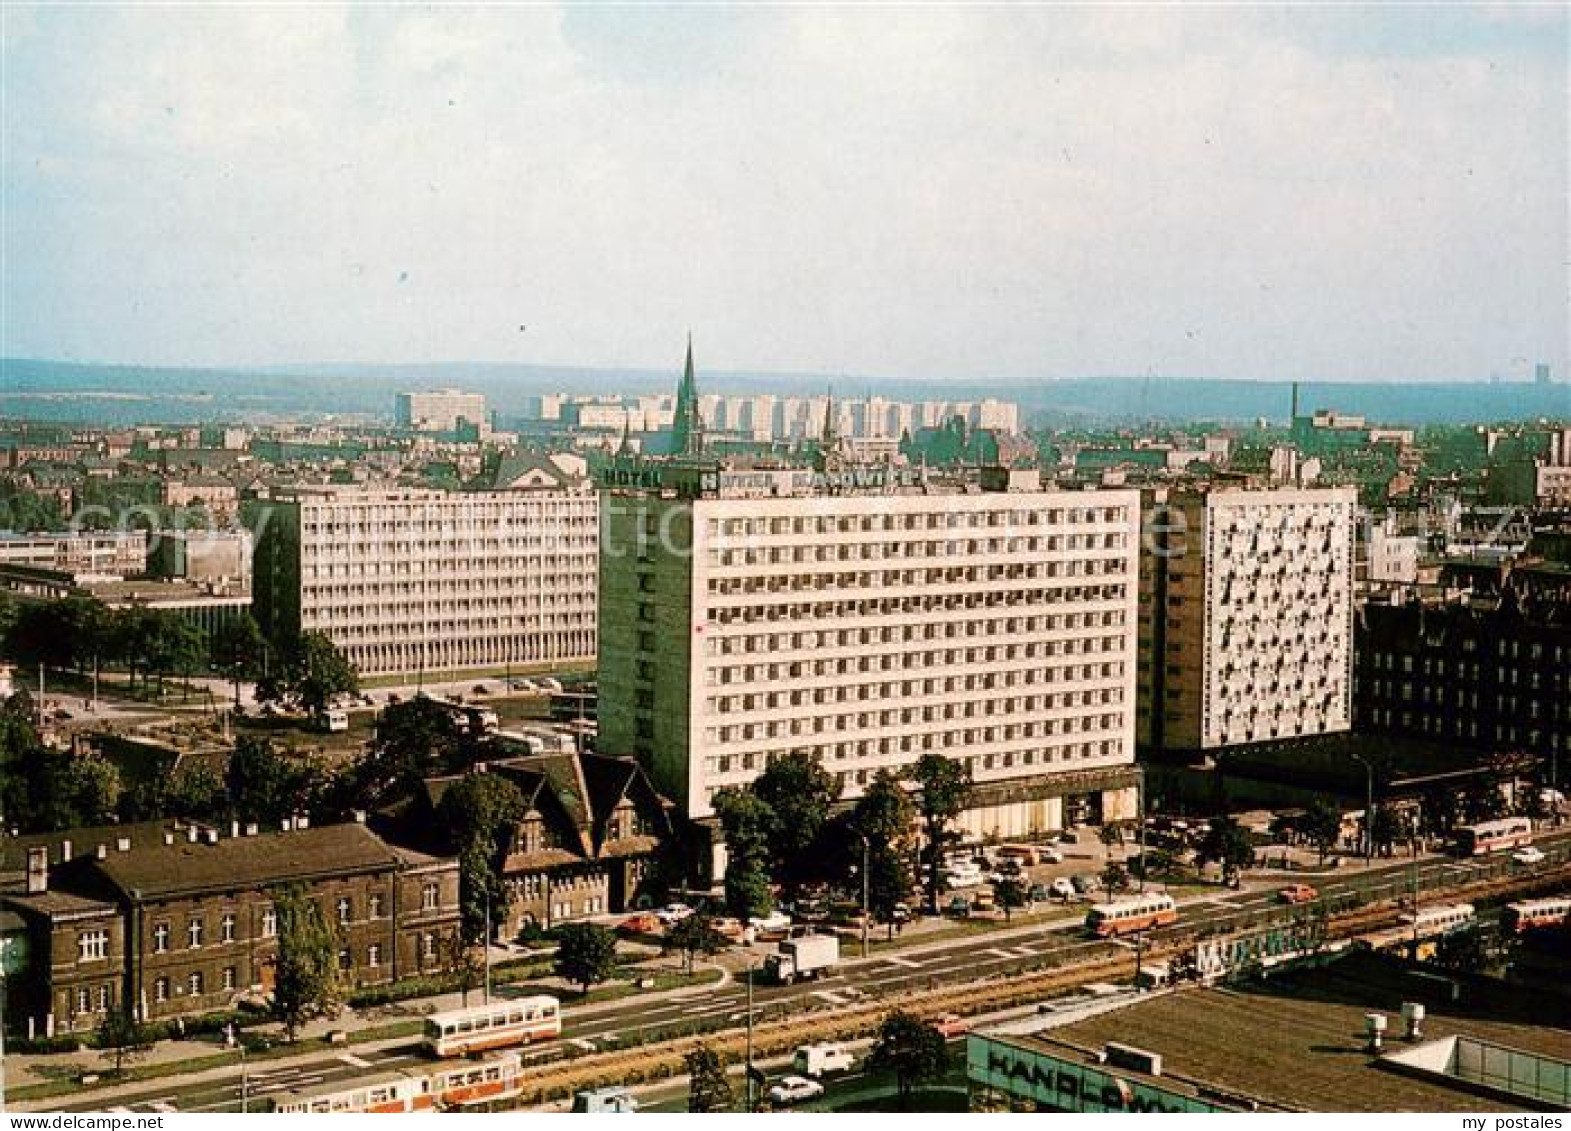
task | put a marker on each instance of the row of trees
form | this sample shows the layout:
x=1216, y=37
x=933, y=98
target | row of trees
x=84, y=635
x=783, y=829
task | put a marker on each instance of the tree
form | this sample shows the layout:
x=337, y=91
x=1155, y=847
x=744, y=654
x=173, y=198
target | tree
x=310, y=670
x=1114, y=879
x=1386, y=827
x=237, y=648
x=1111, y=834
x=1462, y=951
x=307, y=982
x=585, y=954
x=414, y=740
x=1010, y=893
x=693, y=936
x=266, y=784
x=886, y=815
x=1482, y=799
x=910, y=1048
x=1321, y=825
x=1227, y=843
x=748, y=825
x=799, y=793
x=161, y=643
x=708, y=1088
x=480, y=816
x=945, y=786
x=122, y=1037
x=319, y=672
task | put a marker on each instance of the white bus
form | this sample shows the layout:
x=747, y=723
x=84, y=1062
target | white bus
x=1492, y=836
x=458, y=1032
x=1533, y=913
x=1125, y=916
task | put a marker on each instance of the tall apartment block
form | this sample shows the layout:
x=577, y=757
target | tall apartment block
x=441, y=410
x=407, y=581
x=1246, y=617
x=747, y=614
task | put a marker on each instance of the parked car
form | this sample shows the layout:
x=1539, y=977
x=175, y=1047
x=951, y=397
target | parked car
x=1047, y=854
x=554, y=686
x=774, y=921
x=795, y=1090
x=1083, y=882
x=1068, y=836
x=959, y=905
x=524, y=685
x=1063, y=888
x=1040, y=893
x=1298, y=893
x=901, y=913
x=673, y=913
x=951, y=1025
x=1532, y=854
x=638, y=925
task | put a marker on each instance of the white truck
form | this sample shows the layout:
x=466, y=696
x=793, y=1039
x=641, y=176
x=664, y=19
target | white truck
x=822, y=1058
x=804, y=957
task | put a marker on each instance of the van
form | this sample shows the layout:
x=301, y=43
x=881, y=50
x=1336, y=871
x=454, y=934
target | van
x=333, y=720
x=605, y=1101
x=822, y=1058
x=1025, y=853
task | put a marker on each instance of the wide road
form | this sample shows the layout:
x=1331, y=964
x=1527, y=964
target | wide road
x=884, y=976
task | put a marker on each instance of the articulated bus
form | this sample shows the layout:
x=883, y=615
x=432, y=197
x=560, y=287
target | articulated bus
x=1491, y=836
x=445, y=1088
x=1534, y=913
x=1126, y=916
x=520, y=1021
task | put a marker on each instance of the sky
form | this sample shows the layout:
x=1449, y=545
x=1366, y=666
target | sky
x=960, y=194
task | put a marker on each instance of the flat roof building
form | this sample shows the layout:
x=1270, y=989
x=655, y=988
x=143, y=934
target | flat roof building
x=442, y=410
x=1246, y=617
x=868, y=617
x=1295, y=1042
x=406, y=581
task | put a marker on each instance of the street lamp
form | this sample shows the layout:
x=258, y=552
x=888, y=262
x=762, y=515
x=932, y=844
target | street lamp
x=1369, y=805
x=865, y=913
x=748, y=1070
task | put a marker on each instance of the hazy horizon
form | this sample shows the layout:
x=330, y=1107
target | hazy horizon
x=946, y=194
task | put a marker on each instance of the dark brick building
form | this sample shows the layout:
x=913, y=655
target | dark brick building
x=1493, y=674
x=180, y=919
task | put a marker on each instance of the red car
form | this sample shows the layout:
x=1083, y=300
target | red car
x=951, y=1025
x=1298, y=893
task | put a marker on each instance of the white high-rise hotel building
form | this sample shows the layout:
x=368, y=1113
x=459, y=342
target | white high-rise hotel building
x=749, y=614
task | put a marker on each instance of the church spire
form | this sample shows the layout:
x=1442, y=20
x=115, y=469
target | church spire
x=827, y=439
x=688, y=426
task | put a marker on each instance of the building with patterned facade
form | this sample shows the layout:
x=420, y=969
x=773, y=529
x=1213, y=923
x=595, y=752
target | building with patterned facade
x=1246, y=617
x=406, y=581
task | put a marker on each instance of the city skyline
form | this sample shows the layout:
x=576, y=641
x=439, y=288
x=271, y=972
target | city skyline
x=955, y=193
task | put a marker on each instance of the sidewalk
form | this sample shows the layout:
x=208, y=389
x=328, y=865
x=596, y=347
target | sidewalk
x=28, y=1069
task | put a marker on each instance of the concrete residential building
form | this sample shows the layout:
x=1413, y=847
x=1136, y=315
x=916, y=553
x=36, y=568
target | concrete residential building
x=406, y=581
x=1246, y=609
x=869, y=621
x=441, y=410
x=114, y=553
